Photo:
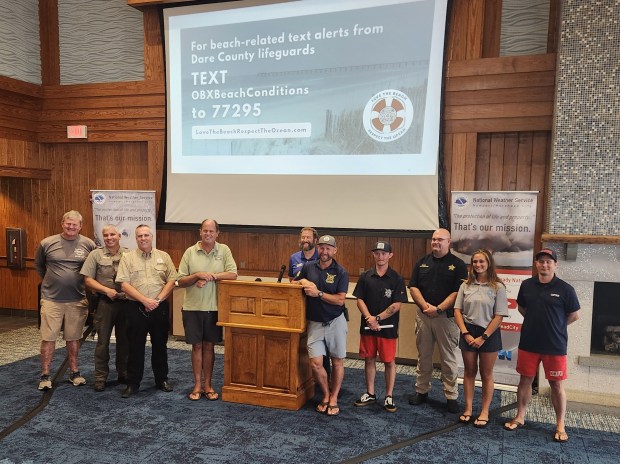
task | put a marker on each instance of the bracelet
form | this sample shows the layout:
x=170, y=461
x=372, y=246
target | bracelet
x=465, y=333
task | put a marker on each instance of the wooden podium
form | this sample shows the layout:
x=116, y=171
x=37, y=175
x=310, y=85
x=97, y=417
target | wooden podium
x=265, y=354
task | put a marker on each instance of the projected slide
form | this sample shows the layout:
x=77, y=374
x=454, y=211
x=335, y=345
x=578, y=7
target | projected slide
x=304, y=112
x=276, y=89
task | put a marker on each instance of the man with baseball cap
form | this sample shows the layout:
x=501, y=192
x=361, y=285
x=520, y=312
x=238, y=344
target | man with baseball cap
x=548, y=305
x=380, y=291
x=325, y=283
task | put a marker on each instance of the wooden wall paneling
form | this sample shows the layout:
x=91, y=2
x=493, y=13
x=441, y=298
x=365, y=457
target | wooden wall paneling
x=501, y=81
x=502, y=65
x=496, y=96
x=475, y=29
x=459, y=156
x=496, y=162
x=553, y=32
x=492, y=28
x=524, y=161
x=457, y=32
x=50, y=42
x=540, y=168
x=503, y=124
x=153, y=49
x=511, y=149
x=447, y=151
x=483, y=159
x=469, y=178
x=155, y=153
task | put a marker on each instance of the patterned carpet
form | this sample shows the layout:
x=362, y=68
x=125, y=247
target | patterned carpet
x=78, y=424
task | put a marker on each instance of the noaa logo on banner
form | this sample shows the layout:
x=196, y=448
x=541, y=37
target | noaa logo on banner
x=460, y=201
x=388, y=115
x=99, y=198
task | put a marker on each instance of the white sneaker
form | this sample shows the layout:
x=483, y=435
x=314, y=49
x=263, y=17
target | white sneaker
x=76, y=379
x=45, y=383
x=389, y=404
x=366, y=399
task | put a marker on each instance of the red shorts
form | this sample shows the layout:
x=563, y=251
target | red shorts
x=370, y=345
x=554, y=365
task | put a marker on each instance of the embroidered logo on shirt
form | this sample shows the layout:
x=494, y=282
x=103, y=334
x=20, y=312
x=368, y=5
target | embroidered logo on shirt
x=330, y=279
x=555, y=295
x=451, y=267
x=423, y=265
x=388, y=293
x=80, y=253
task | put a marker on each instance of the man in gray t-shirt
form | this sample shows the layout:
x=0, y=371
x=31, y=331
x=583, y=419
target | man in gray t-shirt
x=58, y=261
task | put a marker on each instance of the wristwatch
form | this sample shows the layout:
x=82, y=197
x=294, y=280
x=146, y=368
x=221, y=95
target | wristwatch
x=378, y=318
x=439, y=310
x=321, y=294
x=485, y=336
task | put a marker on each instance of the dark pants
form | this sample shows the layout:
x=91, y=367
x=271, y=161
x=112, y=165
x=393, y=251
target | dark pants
x=110, y=314
x=139, y=324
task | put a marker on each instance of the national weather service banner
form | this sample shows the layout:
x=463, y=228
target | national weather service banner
x=125, y=209
x=504, y=224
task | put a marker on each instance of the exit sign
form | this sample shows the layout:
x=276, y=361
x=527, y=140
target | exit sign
x=76, y=132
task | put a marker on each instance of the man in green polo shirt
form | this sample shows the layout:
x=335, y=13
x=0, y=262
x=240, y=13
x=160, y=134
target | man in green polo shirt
x=202, y=265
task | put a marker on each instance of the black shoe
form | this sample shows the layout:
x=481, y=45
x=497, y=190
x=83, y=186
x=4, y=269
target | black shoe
x=100, y=385
x=130, y=391
x=418, y=398
x=164, y=386
x=453, y=406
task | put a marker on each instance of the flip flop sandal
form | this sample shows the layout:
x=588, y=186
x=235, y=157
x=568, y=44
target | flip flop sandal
x=321, y=408
x=212, y=396
x=481, y=423
x=513, y=425
x=333, y=410
x=191, y=395
x=465, y=418
x=560, y=437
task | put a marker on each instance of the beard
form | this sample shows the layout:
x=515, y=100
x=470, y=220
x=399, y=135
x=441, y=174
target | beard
x=305, y=246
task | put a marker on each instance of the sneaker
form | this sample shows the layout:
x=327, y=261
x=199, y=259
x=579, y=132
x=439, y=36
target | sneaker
x=45, y=383
x=389, y=404
x=100, y=385
x=418, y=398
x=453, y=406
x=366, y=399
x=76, y=379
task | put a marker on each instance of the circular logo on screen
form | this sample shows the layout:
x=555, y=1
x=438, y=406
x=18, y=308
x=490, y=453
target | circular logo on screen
x=99, y=198
x=388, y=115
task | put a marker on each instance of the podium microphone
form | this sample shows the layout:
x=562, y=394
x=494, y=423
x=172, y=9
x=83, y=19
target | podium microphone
x=282, y=269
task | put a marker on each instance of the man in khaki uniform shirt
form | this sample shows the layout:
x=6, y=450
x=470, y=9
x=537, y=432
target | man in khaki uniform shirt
x=147, y=277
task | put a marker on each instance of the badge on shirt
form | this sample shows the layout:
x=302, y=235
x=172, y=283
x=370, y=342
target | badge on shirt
x=219, y=257
x=388, y=293
x=451, y=267
x=330, y=279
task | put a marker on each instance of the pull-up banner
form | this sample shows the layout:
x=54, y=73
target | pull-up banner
x=504, y=224
x=125, y=209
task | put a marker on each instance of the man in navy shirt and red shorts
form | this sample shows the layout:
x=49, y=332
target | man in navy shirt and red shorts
x=548, y=305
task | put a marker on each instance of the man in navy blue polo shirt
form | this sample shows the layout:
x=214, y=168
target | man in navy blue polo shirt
x=325, y=283
x=308, y=237
x=548, y=305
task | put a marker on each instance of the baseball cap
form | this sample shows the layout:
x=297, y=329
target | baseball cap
x=327, y=240
x=548, y=252
x=382, y=246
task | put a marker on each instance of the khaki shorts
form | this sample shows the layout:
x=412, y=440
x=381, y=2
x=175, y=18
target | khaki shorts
x=53, y=314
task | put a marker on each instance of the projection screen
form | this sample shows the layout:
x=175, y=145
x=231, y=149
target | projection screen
x=320, y=112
